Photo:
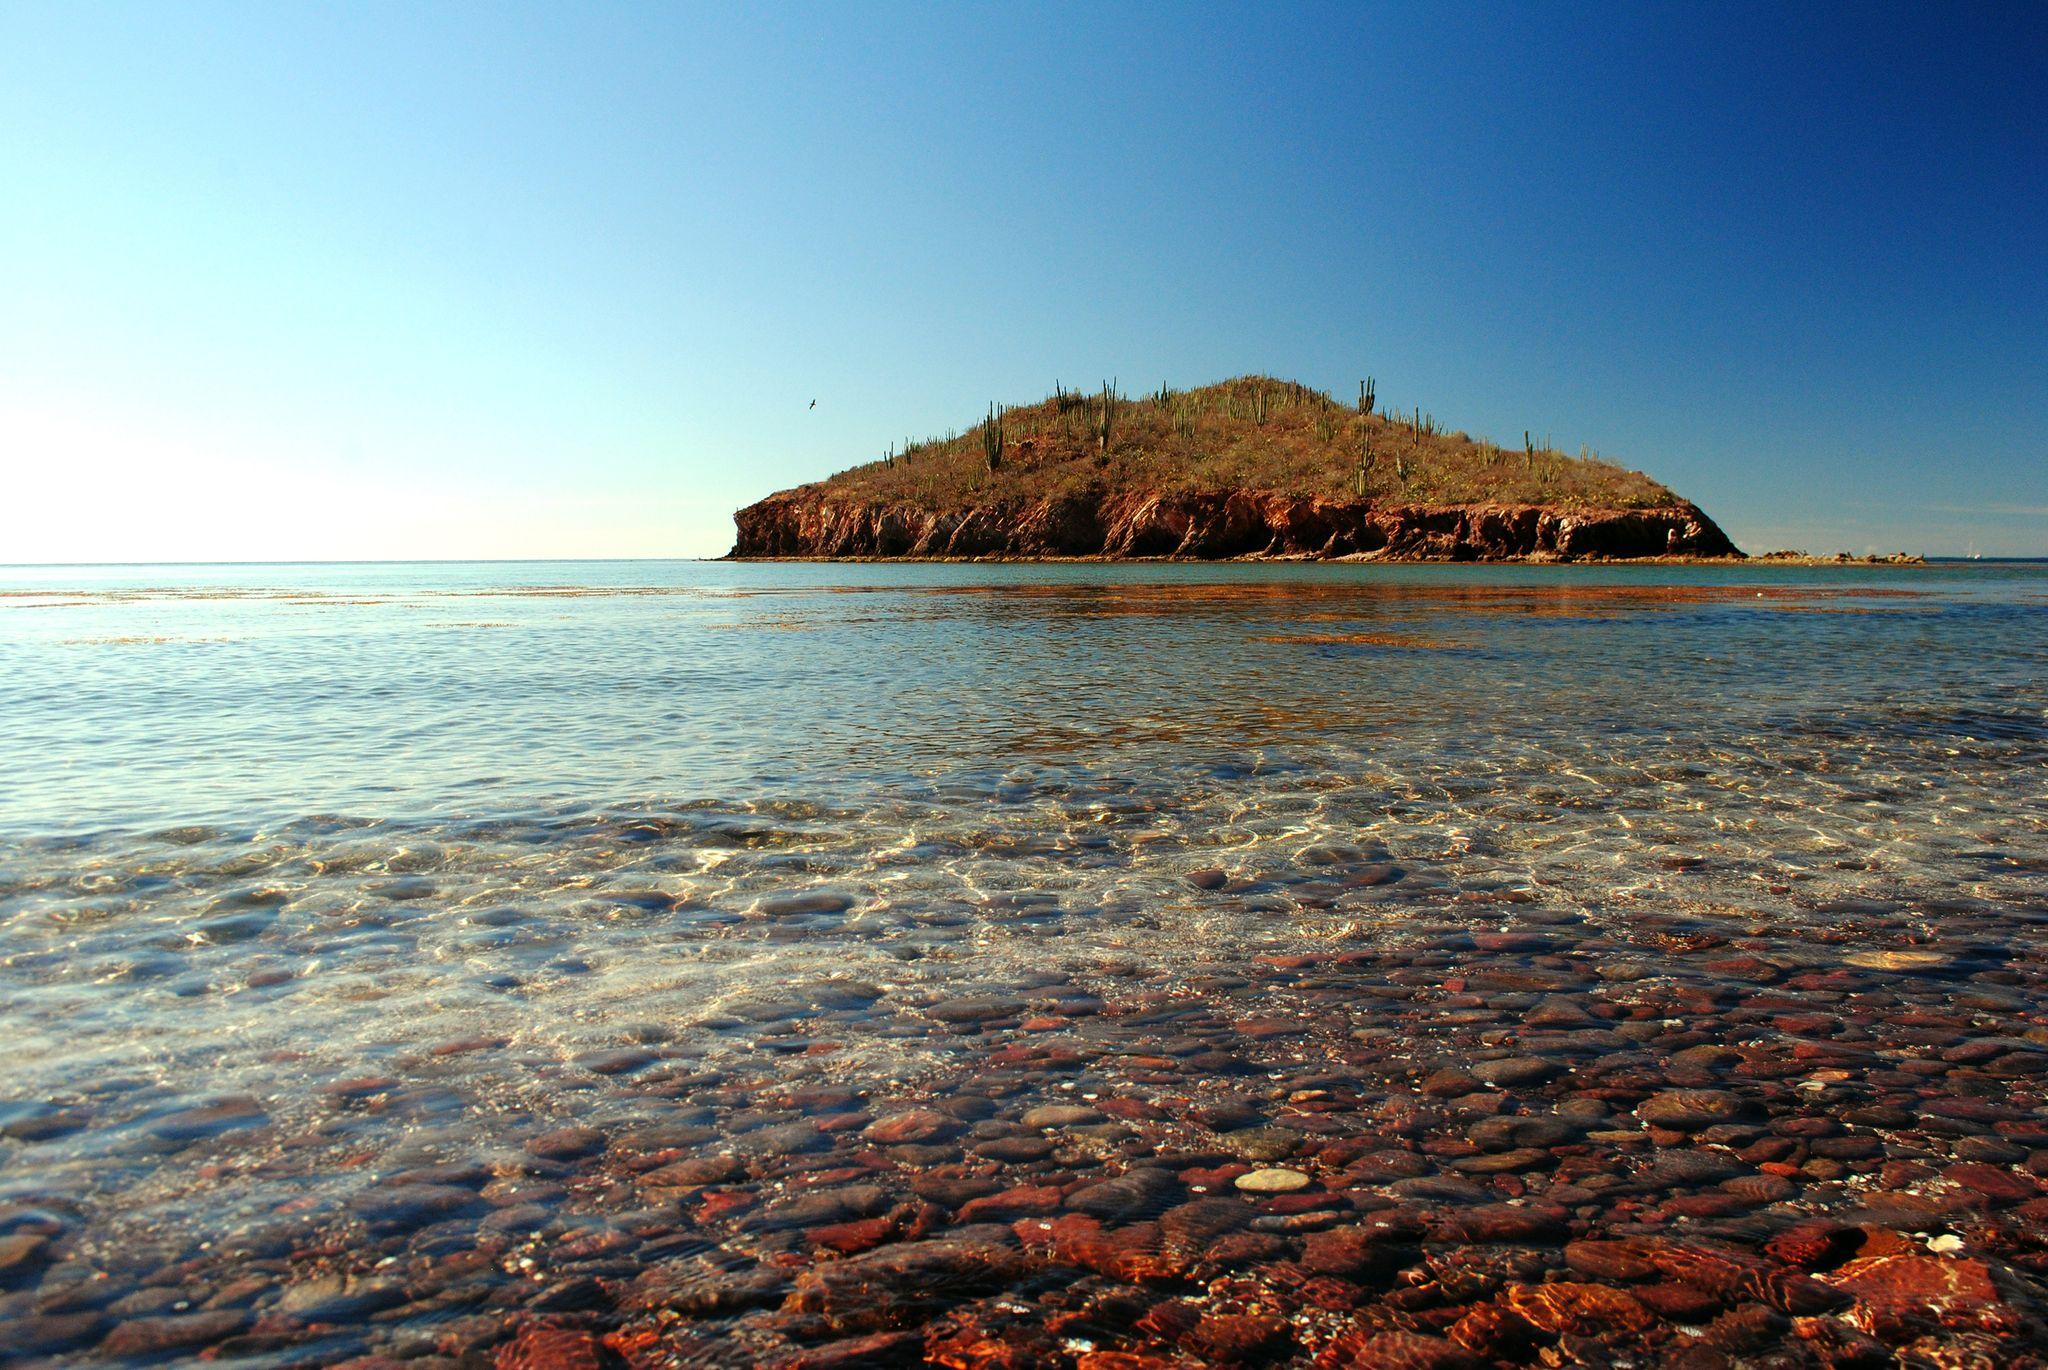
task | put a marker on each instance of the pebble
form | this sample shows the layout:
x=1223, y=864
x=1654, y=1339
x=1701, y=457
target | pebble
x=912, y=1125
x=783, y=1139
x=1061, y=1115
x=567, y=1143
x=1508, y=1133
x=1273, y=1180
x=912, y=1279
x=401, y=1208
x=1513, y=1071
x=160, y=1336
x=1262, y=1144
x=1901, y=1295
x=335, y=1297
x=1691, y=1110
x=209, y=1120
x=1895, y=959
x=1131, y=1195
x=798, y=905
x=975, y=1010
x=21, y=1250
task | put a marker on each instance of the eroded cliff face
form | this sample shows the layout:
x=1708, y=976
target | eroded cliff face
x=802, y=523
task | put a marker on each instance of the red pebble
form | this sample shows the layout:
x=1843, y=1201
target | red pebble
x=1995, y=1183
x=551, y=1348
x=1903, y=1295
x=1395, y=1351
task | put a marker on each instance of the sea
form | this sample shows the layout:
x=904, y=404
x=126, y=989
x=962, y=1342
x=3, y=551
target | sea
x=731, y=963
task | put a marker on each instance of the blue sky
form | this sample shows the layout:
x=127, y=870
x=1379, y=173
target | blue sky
x=379, y=280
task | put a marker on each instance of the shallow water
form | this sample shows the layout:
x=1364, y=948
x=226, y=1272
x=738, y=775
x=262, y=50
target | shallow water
x=330, y=894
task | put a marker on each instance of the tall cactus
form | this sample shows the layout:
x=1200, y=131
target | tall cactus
x=992, y=438
x=1106, y=424
x=1368, y=395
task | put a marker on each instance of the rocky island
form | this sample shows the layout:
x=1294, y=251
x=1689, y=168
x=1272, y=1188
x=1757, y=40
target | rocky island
x=1249, y=468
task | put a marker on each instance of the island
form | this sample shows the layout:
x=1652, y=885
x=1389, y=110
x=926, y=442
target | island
x=1249, y=468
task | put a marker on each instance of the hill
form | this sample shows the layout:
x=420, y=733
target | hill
x=1249, y=467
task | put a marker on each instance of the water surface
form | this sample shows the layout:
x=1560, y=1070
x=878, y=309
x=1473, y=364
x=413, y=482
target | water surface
x=325, y=884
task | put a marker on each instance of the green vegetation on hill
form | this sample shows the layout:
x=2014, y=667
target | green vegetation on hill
x=1253, y=433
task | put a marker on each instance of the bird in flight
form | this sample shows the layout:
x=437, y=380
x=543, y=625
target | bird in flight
x=814, y=404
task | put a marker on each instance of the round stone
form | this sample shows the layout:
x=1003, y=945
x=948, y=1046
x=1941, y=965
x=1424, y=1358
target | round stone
x=1895, y=960
x=1691, y=1110
x=1263, y=1144
x=1061, y=1115
x=1516, y=1070
x=1273, y=1180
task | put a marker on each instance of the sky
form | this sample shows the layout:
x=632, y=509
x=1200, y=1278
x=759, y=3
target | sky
x=368, y=280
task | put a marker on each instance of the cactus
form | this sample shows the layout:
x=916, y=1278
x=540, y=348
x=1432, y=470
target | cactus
x=1368, y=395
x=992, y=438
x=1259, y=406
x=1105, y=425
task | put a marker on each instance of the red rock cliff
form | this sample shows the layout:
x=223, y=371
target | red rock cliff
x=809, y=523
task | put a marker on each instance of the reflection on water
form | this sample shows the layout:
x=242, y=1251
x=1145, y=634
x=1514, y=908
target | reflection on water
x=1225, y=963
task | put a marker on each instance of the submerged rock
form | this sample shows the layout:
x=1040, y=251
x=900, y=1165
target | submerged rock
x=902, y=1284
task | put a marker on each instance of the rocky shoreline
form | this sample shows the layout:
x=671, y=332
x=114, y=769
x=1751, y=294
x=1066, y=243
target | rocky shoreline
x=809, y=524
x=1517, y=1139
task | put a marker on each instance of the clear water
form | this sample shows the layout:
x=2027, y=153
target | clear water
x=268, y=832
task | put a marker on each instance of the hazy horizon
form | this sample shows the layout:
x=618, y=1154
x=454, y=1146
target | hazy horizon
x=373, y=283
